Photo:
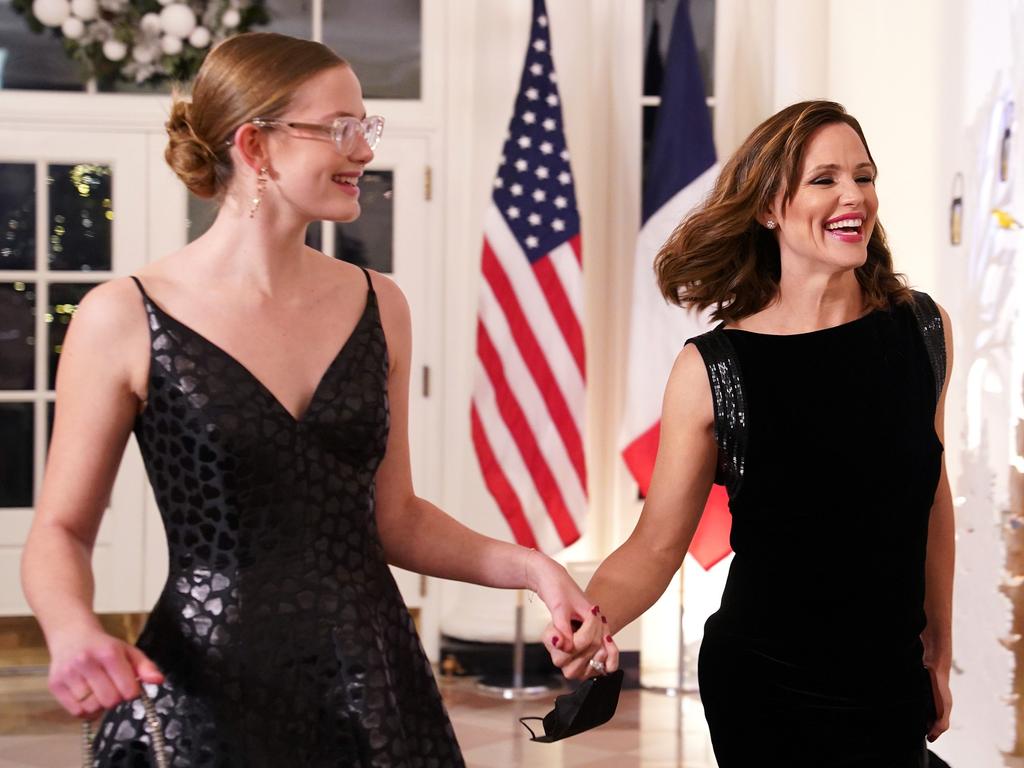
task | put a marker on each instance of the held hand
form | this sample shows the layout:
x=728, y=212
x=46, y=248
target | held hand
x=562, y=596
x=577, y=632
x=943, y=702
x=590, y=643
x=90, y=671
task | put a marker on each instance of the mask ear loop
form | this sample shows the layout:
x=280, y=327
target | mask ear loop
x=523, y=721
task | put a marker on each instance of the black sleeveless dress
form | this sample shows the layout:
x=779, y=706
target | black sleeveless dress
x=828, y=451
x=281, y=632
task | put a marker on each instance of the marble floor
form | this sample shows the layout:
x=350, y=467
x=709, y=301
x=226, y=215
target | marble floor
x=649, y=730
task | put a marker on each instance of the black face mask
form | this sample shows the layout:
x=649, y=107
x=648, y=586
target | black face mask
x=590, y=705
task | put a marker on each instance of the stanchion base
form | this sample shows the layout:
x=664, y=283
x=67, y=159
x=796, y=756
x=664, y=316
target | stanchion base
x=670, y=690
x=503, y=688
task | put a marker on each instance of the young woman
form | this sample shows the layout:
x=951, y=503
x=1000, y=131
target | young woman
x=817, y=402
x=267, y=386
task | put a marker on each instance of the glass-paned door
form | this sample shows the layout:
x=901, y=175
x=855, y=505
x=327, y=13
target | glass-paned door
x=72, y=214
x=382, y=40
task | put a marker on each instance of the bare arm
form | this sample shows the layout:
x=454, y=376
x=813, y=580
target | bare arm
x=632, y=578
x=938, y=634
x=420, y=537
x=96, y=406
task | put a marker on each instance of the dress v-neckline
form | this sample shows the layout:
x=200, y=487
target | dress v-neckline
x=278, y=403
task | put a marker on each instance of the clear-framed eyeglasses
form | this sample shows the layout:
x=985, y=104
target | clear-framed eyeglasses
x=343, y=131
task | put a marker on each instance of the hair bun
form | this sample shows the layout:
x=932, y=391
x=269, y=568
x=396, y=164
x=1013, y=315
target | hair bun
x=188, y=155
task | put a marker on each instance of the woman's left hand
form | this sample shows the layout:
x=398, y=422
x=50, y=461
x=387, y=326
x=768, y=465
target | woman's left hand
x=562, y=596
x=943, y=698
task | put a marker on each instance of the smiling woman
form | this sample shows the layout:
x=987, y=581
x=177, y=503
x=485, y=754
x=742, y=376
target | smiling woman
x=817, y=402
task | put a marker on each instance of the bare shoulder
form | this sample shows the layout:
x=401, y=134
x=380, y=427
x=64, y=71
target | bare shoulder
x=110, y=311
x=688, y=392
x=110, y=332
x=388, y=291
x=394, y=307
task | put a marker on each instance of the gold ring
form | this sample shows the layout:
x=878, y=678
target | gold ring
x=83, y=698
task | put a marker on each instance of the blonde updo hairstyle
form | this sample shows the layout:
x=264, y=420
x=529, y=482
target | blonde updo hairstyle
x=247, y=76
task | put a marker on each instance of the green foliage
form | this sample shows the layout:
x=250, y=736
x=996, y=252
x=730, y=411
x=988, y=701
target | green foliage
x=181, y=67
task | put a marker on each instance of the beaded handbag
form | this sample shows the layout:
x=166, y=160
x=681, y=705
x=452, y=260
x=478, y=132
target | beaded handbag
x=156, y=736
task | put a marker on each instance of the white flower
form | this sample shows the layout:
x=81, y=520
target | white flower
x=115, y=50
x=51, y=13
x=150, y=24
x=200, y=37
x=143, y=54
x=178, y=19
x=72, y=28
x=86, y=10
x=171, y=45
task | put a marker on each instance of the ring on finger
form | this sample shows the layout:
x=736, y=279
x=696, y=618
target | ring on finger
x=82, y=698
x=597, y=666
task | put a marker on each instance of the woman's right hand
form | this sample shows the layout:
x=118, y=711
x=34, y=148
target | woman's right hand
x=90, y=671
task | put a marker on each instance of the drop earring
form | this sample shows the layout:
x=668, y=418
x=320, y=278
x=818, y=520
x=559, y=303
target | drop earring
x=261, y=187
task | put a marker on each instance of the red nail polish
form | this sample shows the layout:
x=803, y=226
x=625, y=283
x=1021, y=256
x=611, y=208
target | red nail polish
x=595, y=610
x=607, y=638
x=604, y=620
x=554, y=641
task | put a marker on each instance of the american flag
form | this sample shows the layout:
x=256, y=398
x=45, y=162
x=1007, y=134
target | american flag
x=530, y=381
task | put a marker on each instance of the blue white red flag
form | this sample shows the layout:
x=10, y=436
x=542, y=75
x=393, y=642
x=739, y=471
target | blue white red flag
x=681, y=171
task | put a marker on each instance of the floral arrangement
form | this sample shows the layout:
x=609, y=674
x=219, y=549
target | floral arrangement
x=141, y=41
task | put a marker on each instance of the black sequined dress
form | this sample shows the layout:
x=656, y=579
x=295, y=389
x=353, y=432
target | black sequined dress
x=281, y=631
x=828, y=451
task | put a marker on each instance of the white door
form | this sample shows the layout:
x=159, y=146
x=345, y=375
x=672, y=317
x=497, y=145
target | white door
x=74, y=215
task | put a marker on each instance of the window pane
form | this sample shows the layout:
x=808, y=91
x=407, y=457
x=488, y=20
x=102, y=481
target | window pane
x=203, y=212
x=367, y=241
x=64, y=300
x=290, y=17
x=315, y=236
x=17, y=215
x=702, y=17
x=16, y=451
x=382, y=41
x=17, y=335
x=81, y=215
x=28, y=60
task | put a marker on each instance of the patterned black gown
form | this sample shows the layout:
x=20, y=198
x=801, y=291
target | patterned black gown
x=281, y=631
x=828, y=450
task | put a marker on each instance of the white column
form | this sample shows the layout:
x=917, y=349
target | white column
x=801, y=51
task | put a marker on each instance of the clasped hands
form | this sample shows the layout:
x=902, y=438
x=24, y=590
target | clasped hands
x=578, y=636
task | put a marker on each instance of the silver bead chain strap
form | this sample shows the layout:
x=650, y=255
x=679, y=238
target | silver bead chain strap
x=156, y=736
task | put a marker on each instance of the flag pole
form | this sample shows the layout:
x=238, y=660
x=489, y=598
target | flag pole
x=681, y=685
x=518, y=688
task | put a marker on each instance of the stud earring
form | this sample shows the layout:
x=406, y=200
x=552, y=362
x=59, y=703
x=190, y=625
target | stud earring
x=770, y=224
x=261, y=187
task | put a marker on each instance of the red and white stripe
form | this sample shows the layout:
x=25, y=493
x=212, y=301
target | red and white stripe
x=528, y=412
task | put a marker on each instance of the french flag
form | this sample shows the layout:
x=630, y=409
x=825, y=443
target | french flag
x=681, y=171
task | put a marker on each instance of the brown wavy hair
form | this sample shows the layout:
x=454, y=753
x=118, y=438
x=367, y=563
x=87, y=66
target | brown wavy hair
x=249, y=75
x=720, y=255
